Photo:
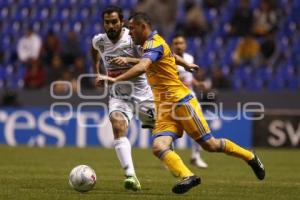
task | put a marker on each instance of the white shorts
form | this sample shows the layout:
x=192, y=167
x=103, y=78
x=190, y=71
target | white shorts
x=128, y=107
x=123, y=106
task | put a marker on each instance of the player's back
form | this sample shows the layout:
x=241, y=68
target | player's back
x=162, y=74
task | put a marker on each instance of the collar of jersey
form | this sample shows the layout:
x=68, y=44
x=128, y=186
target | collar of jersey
x=152, y=34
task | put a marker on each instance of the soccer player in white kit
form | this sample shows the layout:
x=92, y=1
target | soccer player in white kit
x=179, y=47
x=118, y=53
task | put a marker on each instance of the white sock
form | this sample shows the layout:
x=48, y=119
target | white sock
x=123, y=150
x=195, y=150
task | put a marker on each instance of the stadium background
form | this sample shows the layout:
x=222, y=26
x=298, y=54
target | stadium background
x=248, y=52
x=271, y=78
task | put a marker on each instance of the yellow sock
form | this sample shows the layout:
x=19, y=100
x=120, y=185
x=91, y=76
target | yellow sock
x=175, y=164
x=237, y=151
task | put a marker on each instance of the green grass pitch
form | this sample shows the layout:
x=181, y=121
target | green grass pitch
x=42, y=173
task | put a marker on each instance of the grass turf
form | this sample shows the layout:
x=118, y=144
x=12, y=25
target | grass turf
x=42, y=173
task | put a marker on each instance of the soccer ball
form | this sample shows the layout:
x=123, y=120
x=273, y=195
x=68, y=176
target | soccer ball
x=82, y=178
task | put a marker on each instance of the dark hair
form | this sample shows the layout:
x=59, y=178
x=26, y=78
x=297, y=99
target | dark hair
x=111, y=9
x=177, y=35
x=140, y=17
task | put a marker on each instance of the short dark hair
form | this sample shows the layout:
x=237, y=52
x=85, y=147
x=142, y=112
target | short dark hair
x=111, y=9
x=140, y=17
x=178, y=34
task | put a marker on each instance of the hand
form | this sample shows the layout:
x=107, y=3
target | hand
x=120, y=60
x=191, y=67
x=98, y=81
x=101, y=79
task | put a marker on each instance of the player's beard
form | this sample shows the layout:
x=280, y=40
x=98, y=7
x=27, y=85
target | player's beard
x=113, y=34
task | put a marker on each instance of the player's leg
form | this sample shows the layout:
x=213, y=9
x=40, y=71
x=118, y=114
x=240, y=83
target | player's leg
x=198, y=129
x=196, y=159
x=165, y=132
x=230, y=148
x=163, y=150
x=120, y=114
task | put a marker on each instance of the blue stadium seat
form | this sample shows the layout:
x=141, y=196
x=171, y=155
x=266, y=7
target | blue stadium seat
x=244, y=73
x=276, y=84
x=294, y=15
x=2, y=72
x=296, y=48
x=210, y=15
x=207, y=58
x=254, y=84
x=294, y=83
x=285, y=71
x=129, y=4
x=264, y=73
x=237, y=83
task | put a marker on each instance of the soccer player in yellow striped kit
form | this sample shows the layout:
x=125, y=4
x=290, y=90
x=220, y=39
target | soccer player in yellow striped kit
x=176, y=108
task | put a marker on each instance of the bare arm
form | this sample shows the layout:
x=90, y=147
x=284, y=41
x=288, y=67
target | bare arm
x=125, y=60
x=97, y=67
x=188, y=66
x=135, y=71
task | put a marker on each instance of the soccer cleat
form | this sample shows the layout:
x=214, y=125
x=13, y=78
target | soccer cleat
x=198, y=163
x=257, y=167
x=132, y=183
x=186, y=184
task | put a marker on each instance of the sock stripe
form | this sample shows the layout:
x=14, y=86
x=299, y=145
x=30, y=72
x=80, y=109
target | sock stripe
x=223, y=144
x=162, y=153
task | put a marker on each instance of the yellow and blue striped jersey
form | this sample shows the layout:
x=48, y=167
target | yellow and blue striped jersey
x=162, y=74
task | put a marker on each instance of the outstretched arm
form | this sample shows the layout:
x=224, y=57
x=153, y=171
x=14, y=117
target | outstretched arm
x=125, y=60
x=188, y=66
x=133, y=72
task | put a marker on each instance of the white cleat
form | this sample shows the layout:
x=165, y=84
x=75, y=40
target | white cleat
x=198, y=162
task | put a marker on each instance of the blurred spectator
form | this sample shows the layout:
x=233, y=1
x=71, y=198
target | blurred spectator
x=195, y=23
x=71, y=48
x=51, y=47
x=247, y=50
x=201, y=83
x=265, y=19
x=79, y=68
x=268, y=50
x=29, y=46
x=162, y=13
x=34, y=76
x=1, y=56
x=242, y=20
x=61, y=88
x=203, y=88
x=213, y=4
x=10, y=98
x=219, y=81
x=56, y=70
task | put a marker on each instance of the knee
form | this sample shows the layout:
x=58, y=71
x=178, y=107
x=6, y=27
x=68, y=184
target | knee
x=212, y=145
x=119, y=125
x=158, y=148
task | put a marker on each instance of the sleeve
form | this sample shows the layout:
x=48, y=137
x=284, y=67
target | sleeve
x=153, y=50
x=94, y=41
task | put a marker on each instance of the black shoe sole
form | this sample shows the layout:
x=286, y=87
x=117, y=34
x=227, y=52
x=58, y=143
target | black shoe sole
x=183, y=188
x=259, y=171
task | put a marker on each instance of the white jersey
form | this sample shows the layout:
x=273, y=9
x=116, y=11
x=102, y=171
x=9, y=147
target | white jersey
x=185, y=76
x=125, y=48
